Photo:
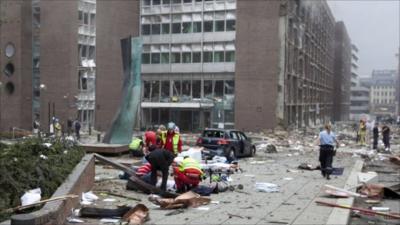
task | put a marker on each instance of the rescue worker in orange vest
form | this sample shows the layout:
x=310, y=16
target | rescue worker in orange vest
x=188, y=175
x=173, y=142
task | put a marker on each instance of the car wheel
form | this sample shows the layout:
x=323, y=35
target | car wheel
x=253, y=151
x=230, y=156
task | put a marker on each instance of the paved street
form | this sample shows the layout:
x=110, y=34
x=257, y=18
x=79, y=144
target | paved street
x=293, y=204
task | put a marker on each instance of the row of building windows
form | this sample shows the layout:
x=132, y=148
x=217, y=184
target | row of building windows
x=167, y=2
x=188, y=27
x=186, y=90
x=383, y=93
x=188, y=57
x=383, y=101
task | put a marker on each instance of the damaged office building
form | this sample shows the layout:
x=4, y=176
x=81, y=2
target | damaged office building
x=251, y=65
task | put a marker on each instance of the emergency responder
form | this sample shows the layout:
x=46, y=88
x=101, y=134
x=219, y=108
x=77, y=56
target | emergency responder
x=173, y=142
x=188, y=175
x=136, y=147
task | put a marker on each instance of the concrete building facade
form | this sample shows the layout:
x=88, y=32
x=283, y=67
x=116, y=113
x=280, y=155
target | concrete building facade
x=250, y=65
x=342, y=73
x=382, y=85
x=56, y=41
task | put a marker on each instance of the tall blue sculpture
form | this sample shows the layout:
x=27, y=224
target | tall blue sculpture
x=121, y=130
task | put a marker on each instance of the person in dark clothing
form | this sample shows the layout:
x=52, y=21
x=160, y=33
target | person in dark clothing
x=160, y=160
x=375, y=135
x=77, y=127
x=327, y=139
x=386, y=137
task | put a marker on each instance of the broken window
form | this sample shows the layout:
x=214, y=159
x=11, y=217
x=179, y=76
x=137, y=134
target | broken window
x=186, y=86
x=176, y=1
x=196, y=57
x=207, y=57
x=164, y=116
x=166, y=2
x=80, y=16
x=208, y=26
x=86, y=18
x=146, y=2
x=196, y=27
x=176, y=28
x=165, y=91
x=146, y=90
x=229, y=87
x=156, y=2
x=219, y=88
x=165, y=28
x=218, y=56
x=155, y=29
x=146, y=29
x=219, y=25
x=175, y=57
x=176, y=88
x=230, y=25
x=91, y=52
x=187, y=1
x=186, y=57
x=155, y=91
x=146, y=58
x=82, y=84
x=208, y=89
x=196, y=89
x=230, y=56
x=165, y=57
x=155, y=58
x=229, y=116
x=186, y=27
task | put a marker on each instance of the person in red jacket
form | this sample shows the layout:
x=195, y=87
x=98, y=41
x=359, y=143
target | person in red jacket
x=150, y=139
x=173, y=142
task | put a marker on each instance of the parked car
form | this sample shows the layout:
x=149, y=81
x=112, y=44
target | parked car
x=228, y=143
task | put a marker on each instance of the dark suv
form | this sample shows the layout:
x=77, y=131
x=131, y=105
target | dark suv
x=228, y=143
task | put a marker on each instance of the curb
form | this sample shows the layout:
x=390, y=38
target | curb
x=340, y=216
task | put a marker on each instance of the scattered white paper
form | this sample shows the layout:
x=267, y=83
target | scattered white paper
x=31, y=197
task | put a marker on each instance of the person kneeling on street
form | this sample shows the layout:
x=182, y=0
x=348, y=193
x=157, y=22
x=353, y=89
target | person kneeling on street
x=160, y=160
x=327, y=140
x=188, y=175
x=136, y=147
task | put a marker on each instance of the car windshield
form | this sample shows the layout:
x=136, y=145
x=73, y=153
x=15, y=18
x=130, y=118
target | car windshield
x=213, y=134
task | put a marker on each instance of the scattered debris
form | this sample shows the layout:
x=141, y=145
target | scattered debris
x=137, y=215
x=267, y=187
x=31, y=197
x=188, y=199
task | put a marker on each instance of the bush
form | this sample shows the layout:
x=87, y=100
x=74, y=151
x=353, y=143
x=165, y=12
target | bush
x=30, y=164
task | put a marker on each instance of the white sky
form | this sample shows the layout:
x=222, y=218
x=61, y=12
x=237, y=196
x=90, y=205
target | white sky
x=374, y=27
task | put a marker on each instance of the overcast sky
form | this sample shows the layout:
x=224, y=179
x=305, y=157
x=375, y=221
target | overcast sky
x=373, y=26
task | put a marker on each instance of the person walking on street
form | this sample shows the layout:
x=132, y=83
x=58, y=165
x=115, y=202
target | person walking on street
x=77, y=126
x=375, y=135
x=173, y=142
x=386, y=137
x=362, y=132
x=327, y=139
x=160, y=160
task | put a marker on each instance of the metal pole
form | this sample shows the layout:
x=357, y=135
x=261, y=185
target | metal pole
x=49, y=113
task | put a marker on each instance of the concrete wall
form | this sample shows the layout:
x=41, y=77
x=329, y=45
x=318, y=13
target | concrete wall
x=116, y=20
x=257, y=60
x=58, y=58
x=16, y=107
